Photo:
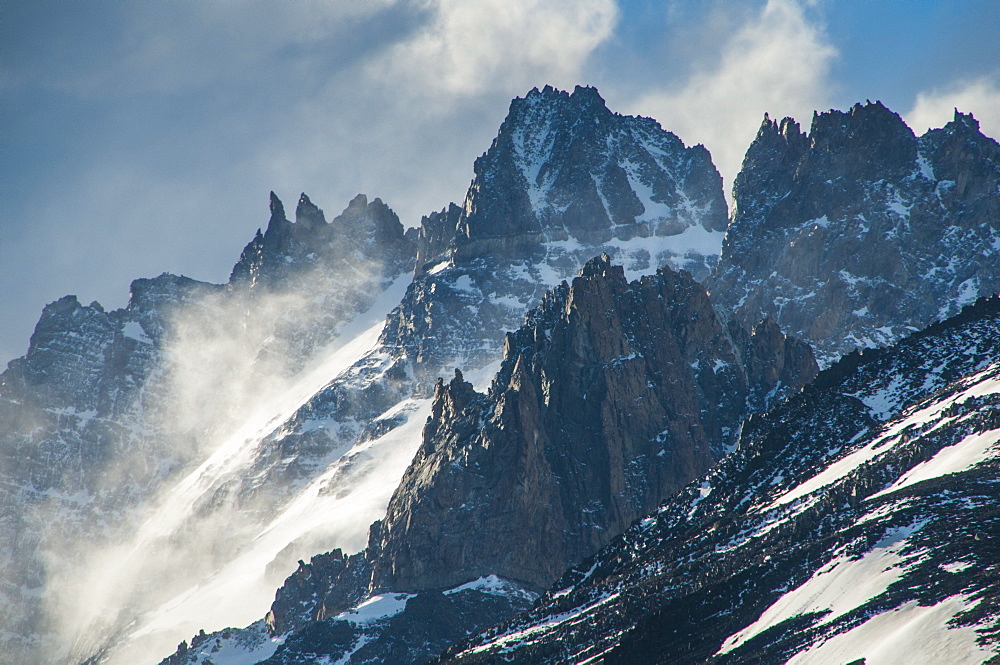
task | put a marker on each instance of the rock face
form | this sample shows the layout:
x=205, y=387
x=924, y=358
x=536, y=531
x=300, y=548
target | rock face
x=859, y=232
x=565, y=180
x=566, y=169
x=856, y=507
x=609, y=399
x=317, y=590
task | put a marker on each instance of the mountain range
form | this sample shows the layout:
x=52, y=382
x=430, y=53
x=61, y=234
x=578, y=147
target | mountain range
x=589, y=415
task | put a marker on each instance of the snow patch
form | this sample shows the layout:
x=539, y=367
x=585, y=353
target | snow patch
x=961, y=456
x=464, y=284
x=981, y=384
x=494, y=586
x=837, y=588
x=241, y=647
x=908, y=635
x=884, y=402
x=134, y=330
x=533, y=633
x=376, y=608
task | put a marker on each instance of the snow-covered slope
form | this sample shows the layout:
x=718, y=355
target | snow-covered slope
x=856, y=521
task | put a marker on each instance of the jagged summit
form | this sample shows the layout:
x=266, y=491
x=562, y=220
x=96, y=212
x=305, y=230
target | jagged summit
x=565, y=171
x=580, y=171
x=364, y=233
x=860, y=226
x=307, y=213
x=276, y=207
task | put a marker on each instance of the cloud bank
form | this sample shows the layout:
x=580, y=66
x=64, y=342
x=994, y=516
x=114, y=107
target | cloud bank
x=777, y=61
x=934, y=108
x=159, y=128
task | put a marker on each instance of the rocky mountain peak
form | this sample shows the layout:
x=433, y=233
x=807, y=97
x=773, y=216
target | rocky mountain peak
x=435, y=235
x=370, y=232
x=308, y=214
x=566, y=169
x=611, y=396
x=449, y=400
x=600, y=266
x=860, y=226
x=372, y=226
x=962, y=154
x=277, y=209
x=867, y=142
x=584, y=100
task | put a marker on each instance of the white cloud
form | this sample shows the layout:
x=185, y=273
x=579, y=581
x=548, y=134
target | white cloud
x=183, y=115
x=777, y=62
x=935, y=108
x=407, y=124
x=470, y=47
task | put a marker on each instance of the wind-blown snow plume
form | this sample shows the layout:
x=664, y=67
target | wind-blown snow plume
x=229, y=377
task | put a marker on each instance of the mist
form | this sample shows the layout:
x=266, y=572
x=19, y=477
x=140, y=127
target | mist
x=233, y=371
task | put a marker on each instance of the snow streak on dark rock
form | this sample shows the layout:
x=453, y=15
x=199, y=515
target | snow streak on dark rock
x=859, y=232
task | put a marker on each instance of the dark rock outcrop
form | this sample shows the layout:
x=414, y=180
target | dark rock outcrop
x=437, y=230
x=610, y=398
x=860, y=232
x=814, y=527
x=327, y=585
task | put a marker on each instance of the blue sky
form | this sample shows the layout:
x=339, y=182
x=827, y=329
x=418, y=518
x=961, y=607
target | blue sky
x=138, y=138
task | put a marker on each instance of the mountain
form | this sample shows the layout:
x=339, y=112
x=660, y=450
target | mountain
x=167, y=465
x=491, y=505
x=566, y=171
x=854, y=523
x=859, y=232
x=565, y=180
x=609, y=398
x=108, y=407
x=270, y=418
